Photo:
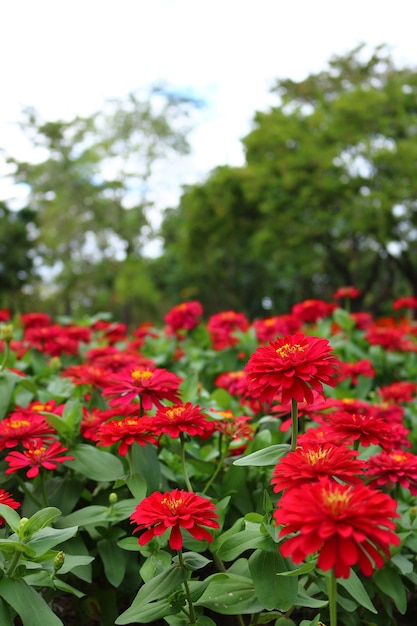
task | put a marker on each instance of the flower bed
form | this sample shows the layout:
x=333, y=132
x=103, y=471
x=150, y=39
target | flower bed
x=209, y=471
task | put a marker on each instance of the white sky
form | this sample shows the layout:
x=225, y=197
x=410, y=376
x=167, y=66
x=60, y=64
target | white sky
x=66, y=57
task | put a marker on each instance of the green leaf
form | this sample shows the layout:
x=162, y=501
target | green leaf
x=390, y=583
x=267, y=456
x=355, y=588
x=247, y=539
x=143, y=606
x=194, y=560
x=5, y=615
x=95, y=464
x=304, y=569
x=12, y=518
x=27, y=603
x=114, y=561
x=137, y=486
x=304, y=600
x=230, y=594
x=274, y=592
x=40, y=519
x=48, y=538
x=8, y=382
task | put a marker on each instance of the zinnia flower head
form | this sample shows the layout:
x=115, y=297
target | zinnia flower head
x=345, y=524
x=222, y=326
x=20, y=427
x=126, y=432
x=36, y=456
x=312, y=310
x=309, y=463
x=184, y=316
x=346, y=292
x=174, y=510
x=397, y=466
x=408, y=302
x=292, y=366
x=150, y=385
x=181, y=418
x=369, y=430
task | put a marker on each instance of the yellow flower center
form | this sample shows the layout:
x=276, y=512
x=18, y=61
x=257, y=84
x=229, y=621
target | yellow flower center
x=172, y=504
x=18, y=423
x=142, y=374
x=314, y=456
x=337, y=501
x=397, y=456
x=38, y=407
x=38, y=452
x=174, y=413
x=287, y=349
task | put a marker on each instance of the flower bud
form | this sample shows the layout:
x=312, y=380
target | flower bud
x=113, y=498
x=59, y=561
x=6, y=333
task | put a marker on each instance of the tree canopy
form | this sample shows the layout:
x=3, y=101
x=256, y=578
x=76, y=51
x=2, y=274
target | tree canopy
x=327, y=196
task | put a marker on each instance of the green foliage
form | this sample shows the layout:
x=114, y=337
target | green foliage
x=326, y=197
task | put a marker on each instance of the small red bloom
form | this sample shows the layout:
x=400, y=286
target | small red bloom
x=234, y=382
x=184, y=316
x=35, y=320
x=180, y=418
x=37, y=456
x=125, y=432
x=363, y=367
x=346, y=292
x=309, y=463
x=150, y=385
x=312, y=310
x=22, y=428
x=369, y=430
x=345, y=524
x=174, y=510
x=401, y=391
x=270, y=328
x=222, y=326
x=387, y=468
x=409, y=302
x=292, y=365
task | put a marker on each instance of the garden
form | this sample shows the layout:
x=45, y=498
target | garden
x=210, y=470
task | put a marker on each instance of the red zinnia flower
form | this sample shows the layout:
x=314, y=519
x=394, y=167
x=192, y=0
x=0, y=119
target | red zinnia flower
x=345, y=524
x=125, y=432
x=270, y=328
x=346, y=292
x=363, y=367
x=221, y=327
x=20, y=428
x=401, y=391
x=369, y=430
x=292, y=365
x=6, y=498
x=312, y=310
x=409, y=302
x=150, y=385
x=37, y=456
x=181, y=418
x=176, y=509
x=393, y=467
x=184, y=316
x=310, y=463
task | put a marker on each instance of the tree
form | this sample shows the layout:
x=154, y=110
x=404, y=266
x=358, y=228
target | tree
x=16, y=262
x=91, y=192
x=328, y=194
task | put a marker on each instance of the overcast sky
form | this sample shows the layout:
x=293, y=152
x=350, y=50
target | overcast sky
x=65, y=58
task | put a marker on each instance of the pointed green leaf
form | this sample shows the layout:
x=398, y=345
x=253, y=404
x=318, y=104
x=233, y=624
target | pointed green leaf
x=28, y=604
x=355, y=588
x=274, y=592
x=266, y=456
x=95, y=464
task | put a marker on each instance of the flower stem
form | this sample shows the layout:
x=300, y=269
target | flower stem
x=294, y=424
x=332, y=593
x=218, y=469
x=13, y=563
x=29, y=494
x=184, y=469
x=187, y=592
